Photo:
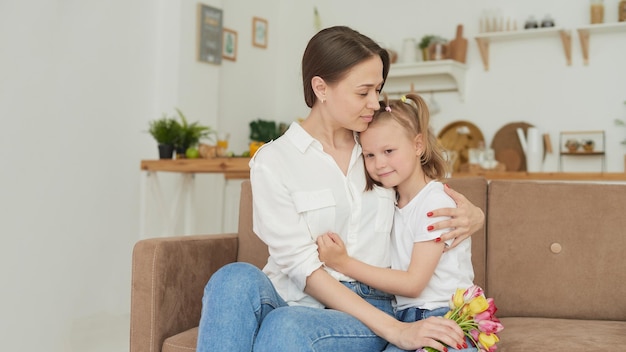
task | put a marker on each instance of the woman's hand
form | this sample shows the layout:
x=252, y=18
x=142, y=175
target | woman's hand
x=332, y=251
x=436, y=332
x=464, y=220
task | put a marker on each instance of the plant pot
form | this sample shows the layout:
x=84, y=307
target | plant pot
x=166, y=151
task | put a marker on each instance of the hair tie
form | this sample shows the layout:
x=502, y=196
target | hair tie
x=403, y=98
x=388, y=108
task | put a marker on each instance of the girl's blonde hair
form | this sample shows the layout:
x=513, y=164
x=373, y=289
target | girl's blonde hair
x=411, y=112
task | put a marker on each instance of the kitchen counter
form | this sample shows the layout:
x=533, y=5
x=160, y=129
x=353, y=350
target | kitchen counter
x=232, y=168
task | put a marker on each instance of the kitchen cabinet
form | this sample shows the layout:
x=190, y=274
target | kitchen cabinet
x=426, y=76
x=584, y=34
x=485, y=39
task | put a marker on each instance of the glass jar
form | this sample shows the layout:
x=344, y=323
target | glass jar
x=597, y=11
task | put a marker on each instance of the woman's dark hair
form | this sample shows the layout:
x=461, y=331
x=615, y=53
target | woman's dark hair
x=332, y=52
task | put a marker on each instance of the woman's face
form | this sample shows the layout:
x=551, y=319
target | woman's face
x=352, y=101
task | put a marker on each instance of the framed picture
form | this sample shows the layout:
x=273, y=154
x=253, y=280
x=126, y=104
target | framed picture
x=259, y=32
x=209, y=34
x=229, y=44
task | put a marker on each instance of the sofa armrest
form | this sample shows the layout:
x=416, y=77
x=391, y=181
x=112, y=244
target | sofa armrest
x=168, y=279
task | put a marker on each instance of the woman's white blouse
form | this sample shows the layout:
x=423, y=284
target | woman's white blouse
x=299, y=193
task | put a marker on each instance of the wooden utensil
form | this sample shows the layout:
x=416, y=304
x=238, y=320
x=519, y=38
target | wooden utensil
x=458, y=46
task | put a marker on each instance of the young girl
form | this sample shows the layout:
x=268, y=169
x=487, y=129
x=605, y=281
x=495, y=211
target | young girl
x=401, y=152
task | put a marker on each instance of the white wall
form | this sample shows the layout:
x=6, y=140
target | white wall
x=79, y=80
x=528, y=79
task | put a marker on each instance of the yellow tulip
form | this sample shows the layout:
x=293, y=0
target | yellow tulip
x=487, y=340
x=478, y=305
x=458, y=299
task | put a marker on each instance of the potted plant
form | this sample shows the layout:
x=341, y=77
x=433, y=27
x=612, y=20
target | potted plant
x=262, y=131
x=165, y=131
x=425, y=43
x=190, y=134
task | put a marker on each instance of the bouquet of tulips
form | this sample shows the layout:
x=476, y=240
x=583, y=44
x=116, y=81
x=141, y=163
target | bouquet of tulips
x=475, y=315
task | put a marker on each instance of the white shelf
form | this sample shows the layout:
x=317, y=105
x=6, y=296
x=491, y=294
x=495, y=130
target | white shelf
x=485, y=39
x=586, y=31
x=426, y=76
x=604, y=27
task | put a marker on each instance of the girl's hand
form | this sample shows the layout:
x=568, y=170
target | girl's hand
x=332, y=251
x=464, y=220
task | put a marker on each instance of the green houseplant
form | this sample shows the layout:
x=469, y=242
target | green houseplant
x=190, y=134
x=425, y=43
x=166, y=132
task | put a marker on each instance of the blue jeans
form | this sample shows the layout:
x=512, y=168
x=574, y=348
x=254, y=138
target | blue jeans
x=241, y=311
x=414, y=314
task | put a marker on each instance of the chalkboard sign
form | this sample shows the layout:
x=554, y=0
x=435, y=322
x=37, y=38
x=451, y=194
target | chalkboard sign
x=209, y=34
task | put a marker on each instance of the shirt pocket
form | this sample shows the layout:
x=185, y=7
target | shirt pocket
x=317, y=209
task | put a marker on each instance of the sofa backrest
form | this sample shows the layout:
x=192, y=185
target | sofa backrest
x=475, y=190
x=253, y=250
x=556, y=249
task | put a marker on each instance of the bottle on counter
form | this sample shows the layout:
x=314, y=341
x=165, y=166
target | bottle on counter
x=597, y=11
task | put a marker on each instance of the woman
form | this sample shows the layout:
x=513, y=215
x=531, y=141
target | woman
x=308, y=182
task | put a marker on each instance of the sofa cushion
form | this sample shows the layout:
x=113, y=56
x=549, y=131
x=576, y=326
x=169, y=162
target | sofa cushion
x=556, y=249
x=183, y=342
x=561, y=335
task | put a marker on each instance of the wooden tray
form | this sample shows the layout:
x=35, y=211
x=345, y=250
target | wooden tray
x=460, y=136
x=508, y=148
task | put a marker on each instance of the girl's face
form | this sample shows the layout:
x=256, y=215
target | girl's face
x=391, y=156
x=352, y=101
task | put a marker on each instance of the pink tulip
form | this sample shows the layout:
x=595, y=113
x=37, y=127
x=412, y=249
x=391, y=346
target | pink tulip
x=474, y=333
x=483, y=316
x=472, y=292
x=489, y=327
x=492, y=306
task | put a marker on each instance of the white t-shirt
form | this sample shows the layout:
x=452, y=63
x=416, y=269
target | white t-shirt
x=455, y=266
x=299, y=193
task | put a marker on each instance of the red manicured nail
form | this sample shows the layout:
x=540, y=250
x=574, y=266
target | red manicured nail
x=429, y=214
x=445, y=349
x=446, y=185
x=458, y=347
x=438, y=239
x=464, y=345
x=430, y=227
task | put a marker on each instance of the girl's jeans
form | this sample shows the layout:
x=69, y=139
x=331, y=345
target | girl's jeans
x=414, y=314
x=241, y=311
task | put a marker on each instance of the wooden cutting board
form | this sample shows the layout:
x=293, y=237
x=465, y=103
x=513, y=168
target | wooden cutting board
x=458, y=46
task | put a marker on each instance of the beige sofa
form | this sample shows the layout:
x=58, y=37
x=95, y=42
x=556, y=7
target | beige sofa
x=551, y=254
